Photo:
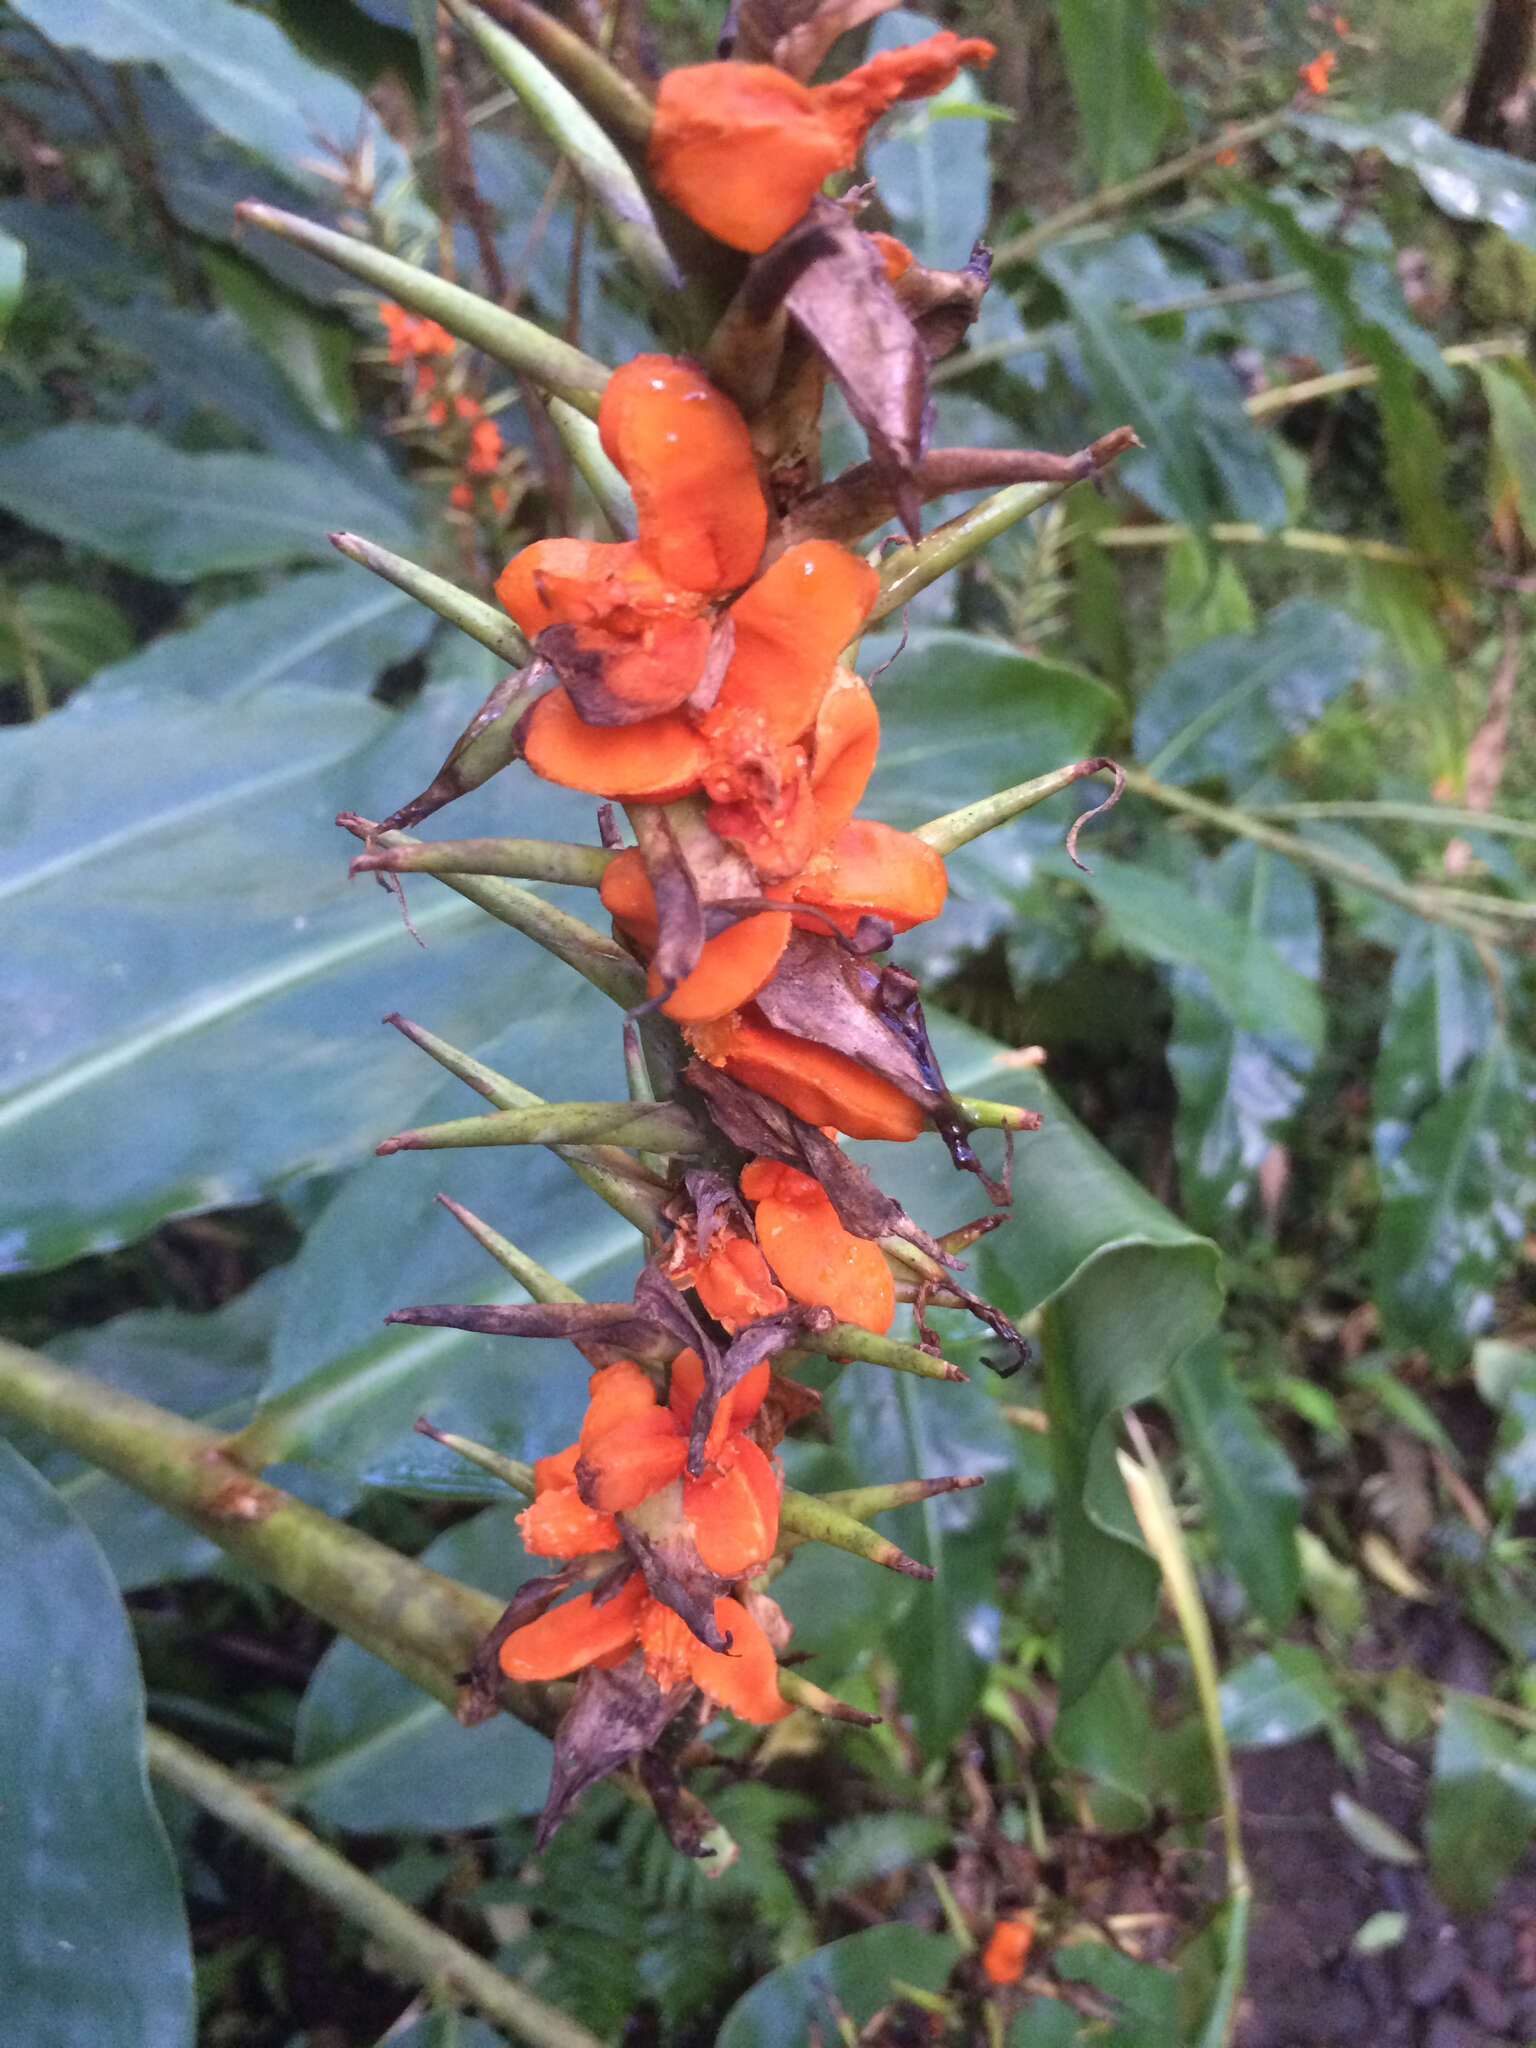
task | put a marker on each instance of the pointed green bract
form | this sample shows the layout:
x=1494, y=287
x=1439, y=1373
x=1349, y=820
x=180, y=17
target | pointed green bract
x=658, y=1126
x=481, y=621
x=517, y=344
x=527, y=860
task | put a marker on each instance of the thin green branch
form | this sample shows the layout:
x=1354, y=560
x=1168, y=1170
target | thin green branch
x=540, y=1283
x=580, y=140
x=527, y=860
x=579, y=438
x=472, y=615
x=1296, y=540
x=1386, y=811
x=1264, y=404
x=623, y=109
x=1117, y=198
x=957, y=828
x=506, y=338
x=428, y=1955
x=654, y=1126
x=907, y=570
x=848, y=1340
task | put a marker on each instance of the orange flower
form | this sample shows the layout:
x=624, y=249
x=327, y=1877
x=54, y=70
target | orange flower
x=790, y=626
x=685, y=452
x=896, y=256
x=820, y=1085
x=1008, y=1947
x=743, y=148
x=867, y=868
x=734, y=964
x=1314, y=76
x=410, y=337
x=811, y=1253
x=484, y=456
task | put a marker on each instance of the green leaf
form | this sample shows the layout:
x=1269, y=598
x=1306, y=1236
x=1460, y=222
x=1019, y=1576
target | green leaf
x=67, y=631
x=237, y=69
x=1463, y=179
x=313, y=350
x=132, y=497
x=853, y=1975
x=1126, y=1289
x=1482, y=1805
x=332, y=630
x=1249, y=1486
x=448, y=2028
x=1238, y=1089
x=1505, y=1375
x=13, y=274
x=1143, y=1999
x=895, y=1427
x=1278, y=1697
x=1107, y=1737
x=201, y=946
x=1124, y=104
x=1246, y=973
x=1508, y=388
x=376, y=1755
x=1202, y=457
x=931, y=166
x=1440, y=1017
x=1227, y=706
x=874, y=1846
x=1201, y=599
x=94, y=1944
x=1454, y=1197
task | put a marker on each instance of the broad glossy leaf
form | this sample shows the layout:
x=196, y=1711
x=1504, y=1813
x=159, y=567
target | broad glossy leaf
x=1238, y=1088
x=1203, y=458
x=930, y=163
x=852, y=1975
x=1128, y=1289
x=198, y=945
x=1243, y=968
x=1106, y=1738
x=378, y=1756
x=208, y=1367
x=448, y=2028
x=1225, y=707
x=1278, y=1697
x=134, y=498
x=1440, y=1017
x=237, y=68
x=896, y=1427
x=1455, y=1193
x=1462, y=178
x=67, y=631
x=1506, y=1378
x=1124, y=103
x=1143, y=2000
x=93, y=1944
x=1511, y=398
x=1249, y=1486
x=1482, y=1804
x=334, y=630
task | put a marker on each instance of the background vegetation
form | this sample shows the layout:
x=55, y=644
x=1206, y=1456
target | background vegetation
x=1291, y=1000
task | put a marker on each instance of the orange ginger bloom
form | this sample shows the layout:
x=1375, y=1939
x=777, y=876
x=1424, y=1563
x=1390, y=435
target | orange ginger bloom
x=820, y=1085
x=790, y=626
x=410, y=337
x=743, y=148
x=867, y=868
x=733, y=965
x=1008, y=1947
x=811, y=1253
x=632, y=1449
x=652, y=761
x=1314, y=76
x=684, y=450
x=732, y=1279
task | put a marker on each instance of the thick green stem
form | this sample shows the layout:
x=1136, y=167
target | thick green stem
x=622, y=108
x=428, y=1955
x=1387, y=811
x=427, y=1626
x=481, y=621
x=578, y=437
x=806, y=1519
x=907, y=570
x=847, y=1340
x=957, y=828
x=526, y=860
x=518, y=344
x=1295, y=540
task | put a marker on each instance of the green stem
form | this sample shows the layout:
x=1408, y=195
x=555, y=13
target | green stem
x=428, y=1955
x=579, y=438
x=472, y=615
x=1295, y=540
x=809, y=1520
x=585, y=145
x=907, y=570
x=1117, y=198
x=517, y=343
x=426, y=1626
x=957, y=828
x=528, y=860
x=1264, y=404
x=1438, y=817
x=1445, y=908
x=847, y=1340
x=658, y=1126
x=621, y=107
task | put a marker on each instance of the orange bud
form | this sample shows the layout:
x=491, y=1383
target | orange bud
x=746, y=1677
x=812, y=1254
x=872, y=868
x=654, y=760
x=569, y=1637
x=1007, y=1948
x=823, y=1086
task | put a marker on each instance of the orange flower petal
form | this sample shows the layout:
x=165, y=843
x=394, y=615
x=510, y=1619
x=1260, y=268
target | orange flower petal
x=614, y=1394
x=896, y=256
x=742, y=148
x=665, y=1639
x=735, y=1511
x=870, y=867
x=733, y=966
x=746, y=1677
x=823, y=1086
x=558, y=1523
x=653, y=761
x=843, y=749
x=569, y=1637
x=558, y=1469
x=686, y=454
x=1007, y=1948
x=631, y=1461
x=735, y=1285
x=791, y=625
x=821, y=1262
